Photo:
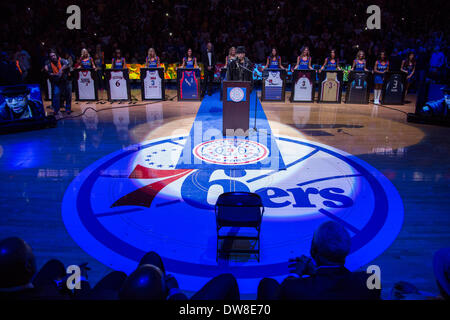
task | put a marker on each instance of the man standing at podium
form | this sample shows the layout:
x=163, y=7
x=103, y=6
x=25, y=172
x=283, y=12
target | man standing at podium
x=240, y=69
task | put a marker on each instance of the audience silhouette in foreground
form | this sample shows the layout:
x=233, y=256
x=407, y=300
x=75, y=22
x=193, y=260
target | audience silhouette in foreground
x=323, y=276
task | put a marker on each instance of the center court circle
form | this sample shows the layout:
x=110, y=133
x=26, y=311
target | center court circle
x=136, y=200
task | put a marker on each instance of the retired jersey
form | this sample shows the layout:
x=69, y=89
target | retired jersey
x=358, y=88
x=118, y=86
x=152, y=85
x=273, y=86
x=303, y=87
x=189, y=85
x=330, y=88
x=394, y=89
x=85, y=85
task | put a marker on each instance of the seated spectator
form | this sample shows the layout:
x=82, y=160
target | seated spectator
x=441, y=267
x=145, y=283
x=324, y=277
x=221, y=287
x=18, y=278
x=403, y=290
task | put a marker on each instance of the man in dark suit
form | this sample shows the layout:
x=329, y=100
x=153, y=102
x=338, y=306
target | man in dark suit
x=324, y=277
x=209, y=63
x=240, y=69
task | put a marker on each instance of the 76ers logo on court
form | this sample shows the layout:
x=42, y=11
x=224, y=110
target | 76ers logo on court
x=231, y=151
x=237, y=94
x=137, y=200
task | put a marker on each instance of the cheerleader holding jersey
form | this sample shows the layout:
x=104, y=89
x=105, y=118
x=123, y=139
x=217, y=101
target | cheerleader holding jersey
x=189, y=63
x=273, y=62
x=304, y=64
x=331, y=65
x=118, y=63
x=360, y=65
x=86, y=63
x=152, y=63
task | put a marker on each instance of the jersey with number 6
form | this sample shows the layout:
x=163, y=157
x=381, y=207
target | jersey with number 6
x=118, y=86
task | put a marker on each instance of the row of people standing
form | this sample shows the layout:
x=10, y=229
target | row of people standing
x=273, y=61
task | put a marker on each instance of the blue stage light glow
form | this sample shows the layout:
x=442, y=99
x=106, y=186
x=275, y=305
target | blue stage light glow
x=123, y=206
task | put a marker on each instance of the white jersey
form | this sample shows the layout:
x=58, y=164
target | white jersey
x=274, y=79
x=118, y=86
x=152, y=85
x=273, y=86
x=86, y=86
x=303, y=89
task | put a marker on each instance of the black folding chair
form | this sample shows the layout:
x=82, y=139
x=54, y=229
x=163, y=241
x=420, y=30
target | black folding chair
x=236, y=210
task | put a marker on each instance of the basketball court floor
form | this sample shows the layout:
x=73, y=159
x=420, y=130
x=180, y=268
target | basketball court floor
x=114, y=181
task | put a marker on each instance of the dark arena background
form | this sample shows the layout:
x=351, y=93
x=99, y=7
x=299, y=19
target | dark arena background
x=224, y=150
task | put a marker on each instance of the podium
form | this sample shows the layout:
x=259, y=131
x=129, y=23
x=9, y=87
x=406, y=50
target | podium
x=152, y=84
x=117, y=84
x=330, y=86
x=86, y=85
x=303, y=85
x=394, y=87
x=236, y=107
x=273, y=85
x=188, y=84
x=358, y=87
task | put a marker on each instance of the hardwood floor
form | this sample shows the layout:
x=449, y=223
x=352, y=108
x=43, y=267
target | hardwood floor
x=37, y=167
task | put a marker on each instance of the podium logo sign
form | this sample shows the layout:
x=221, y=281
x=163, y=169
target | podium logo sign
x=135, y=200
x=231, y=151
x=236, y=94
